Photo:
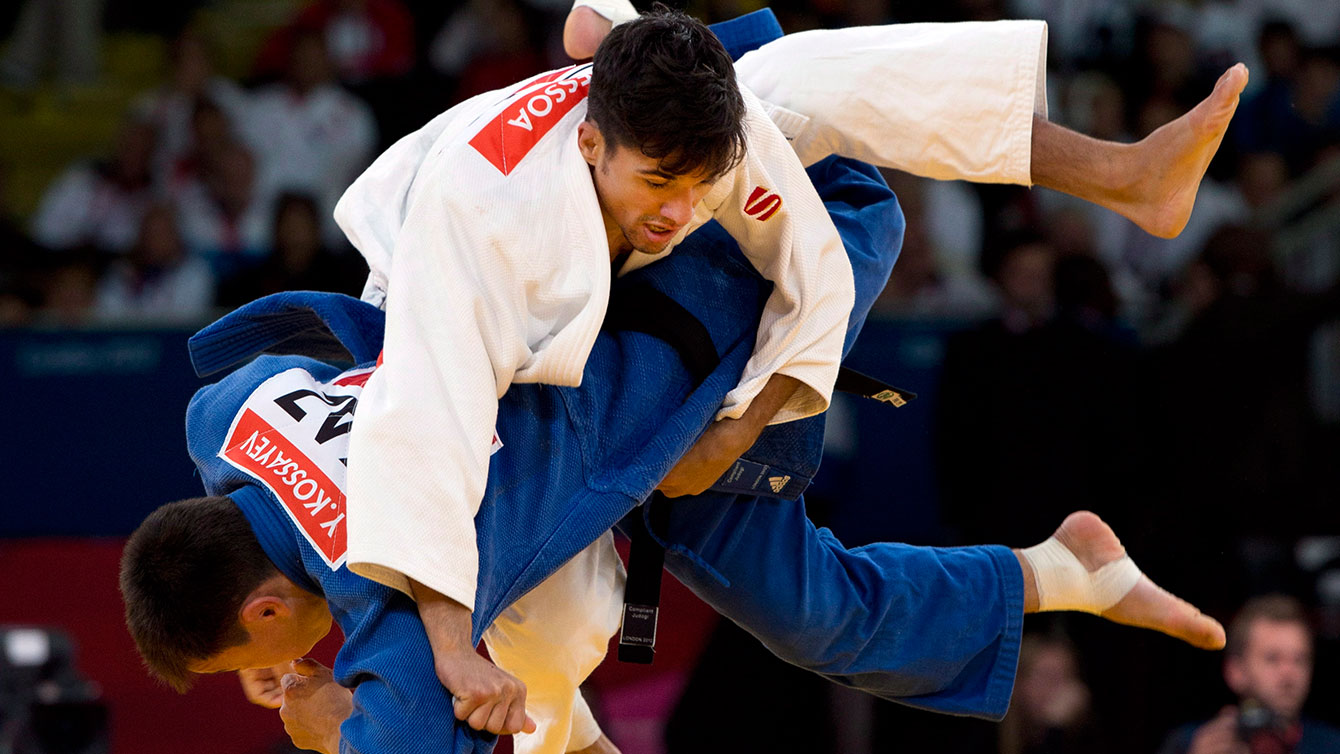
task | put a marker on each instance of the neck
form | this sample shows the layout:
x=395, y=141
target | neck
x=618, y=242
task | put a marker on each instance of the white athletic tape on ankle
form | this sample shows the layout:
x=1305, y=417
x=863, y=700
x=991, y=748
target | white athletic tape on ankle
x=1064, y=584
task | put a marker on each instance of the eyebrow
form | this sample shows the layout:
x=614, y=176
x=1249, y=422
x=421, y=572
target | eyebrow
x=659, y=173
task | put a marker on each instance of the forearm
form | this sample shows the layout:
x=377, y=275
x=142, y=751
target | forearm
x=727, y=439
x=765, y=406
x=446, y=621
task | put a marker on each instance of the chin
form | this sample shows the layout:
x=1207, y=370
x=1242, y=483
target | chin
x=651, y=247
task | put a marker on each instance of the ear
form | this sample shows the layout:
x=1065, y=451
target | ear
x=590, y=141
x=1235, y=675
x=264, y=607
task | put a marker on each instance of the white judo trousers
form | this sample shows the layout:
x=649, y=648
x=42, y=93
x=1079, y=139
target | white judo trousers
x=944, y=101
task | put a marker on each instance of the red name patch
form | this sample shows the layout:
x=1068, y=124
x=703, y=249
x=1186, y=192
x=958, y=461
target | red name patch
x=314, y=503
x=533, y=111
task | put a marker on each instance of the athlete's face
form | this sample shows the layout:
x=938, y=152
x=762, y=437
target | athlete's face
x=644, y=206
x=1275, y=667
x=279, y=629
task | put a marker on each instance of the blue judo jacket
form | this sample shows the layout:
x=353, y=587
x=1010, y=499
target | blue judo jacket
x=936, y=628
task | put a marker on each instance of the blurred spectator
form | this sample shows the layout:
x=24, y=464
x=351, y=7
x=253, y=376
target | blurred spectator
x=1096, y=106
x=16, y=248
x=19, y=257
x=1297, y=111
x=1317, y=98
x=299, y=262
x=488, y=44
x=173, y=108
x=63, y=33
x=366, y=39
x=1084, y=297
x=1023, y=272
x=312, y=135
x=1082, y=32
x=1050, y=712
x=1268, y=666
x=1243, y=330
x=1317, y=20
x=1165, y=66
x=1265, y=120
x=1034, y=409
x=19, y=301
x=1262, y=178
x=157, y=281
x=69, y=285
x=225, y=216
x=100, y=204
x=918, y=287
x=937, y=270
x=211, y=135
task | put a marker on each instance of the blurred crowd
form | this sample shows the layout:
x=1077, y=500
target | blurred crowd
x=205, y=197
x=219, y=190
x=1179, y=386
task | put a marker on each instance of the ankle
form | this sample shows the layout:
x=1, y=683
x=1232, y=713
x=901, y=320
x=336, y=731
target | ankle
x=1065, y=583
x=1030, y=582
x=1124, y=171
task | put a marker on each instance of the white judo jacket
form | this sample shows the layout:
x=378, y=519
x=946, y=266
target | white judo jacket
x=486, y=229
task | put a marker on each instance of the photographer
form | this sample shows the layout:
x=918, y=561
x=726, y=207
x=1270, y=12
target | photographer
x=1268, y=665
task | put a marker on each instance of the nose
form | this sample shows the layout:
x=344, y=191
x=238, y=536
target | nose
x=678, y=209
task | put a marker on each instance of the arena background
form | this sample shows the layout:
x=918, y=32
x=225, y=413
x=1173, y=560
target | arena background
x=1187, y=390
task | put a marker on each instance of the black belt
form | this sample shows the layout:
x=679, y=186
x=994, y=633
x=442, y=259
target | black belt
x=642, y=308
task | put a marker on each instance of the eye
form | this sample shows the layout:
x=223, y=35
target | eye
x=654, y=184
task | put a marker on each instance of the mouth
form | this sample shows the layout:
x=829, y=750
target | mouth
x=660, y=233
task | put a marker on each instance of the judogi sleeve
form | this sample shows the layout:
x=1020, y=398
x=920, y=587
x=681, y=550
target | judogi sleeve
x=419, y=452
x=400, y=707
x=476, y=300
x=615, y=11
x=945, y=101
x=553, y=637
x=770, y=207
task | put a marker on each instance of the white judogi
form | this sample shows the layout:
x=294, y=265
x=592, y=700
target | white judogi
x=966, y=113
x=499, y=273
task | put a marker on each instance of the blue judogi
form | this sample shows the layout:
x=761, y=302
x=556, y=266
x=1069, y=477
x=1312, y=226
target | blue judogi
x=936, y=628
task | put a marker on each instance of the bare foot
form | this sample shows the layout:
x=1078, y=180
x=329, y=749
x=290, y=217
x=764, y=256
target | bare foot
x=583, y=31
x=1173, y=160
x=1147, y=605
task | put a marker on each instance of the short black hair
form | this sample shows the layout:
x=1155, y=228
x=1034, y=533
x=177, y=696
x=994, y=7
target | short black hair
x=185, y=573
x=663, y=84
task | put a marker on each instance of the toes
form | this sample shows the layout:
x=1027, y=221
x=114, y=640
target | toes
x=1150, y=606
x=1194, y=627
x=1232, y=82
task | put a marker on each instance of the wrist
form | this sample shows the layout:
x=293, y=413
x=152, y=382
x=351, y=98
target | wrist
x=446, y=621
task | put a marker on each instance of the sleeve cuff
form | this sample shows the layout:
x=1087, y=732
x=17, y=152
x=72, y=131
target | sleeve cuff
x=398, y=576
x=614, y=11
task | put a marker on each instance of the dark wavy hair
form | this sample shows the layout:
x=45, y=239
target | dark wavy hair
x=663, y=84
